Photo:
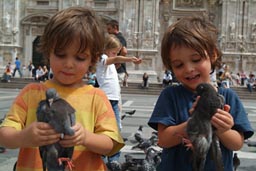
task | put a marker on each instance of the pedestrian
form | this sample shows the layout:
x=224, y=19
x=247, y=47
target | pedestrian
x=39, y=74
x=72, y=41
x=91, y=76
x=107, y=78
x=113, y=28
x=7, y=74
x=243, y=77
x=145, y=83
x=167, y=78
x=17, y=67
x=30, y=69
x=250, y=82
x=189, y=49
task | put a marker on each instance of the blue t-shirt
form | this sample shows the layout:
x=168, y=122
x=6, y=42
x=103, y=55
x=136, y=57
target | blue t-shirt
x=17, y=64
x=172, y=108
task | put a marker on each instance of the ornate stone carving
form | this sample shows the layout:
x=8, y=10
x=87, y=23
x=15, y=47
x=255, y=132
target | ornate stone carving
x=253, y=31
x=232, y=29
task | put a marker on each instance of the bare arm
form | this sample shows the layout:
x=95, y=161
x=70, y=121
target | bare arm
x=123, y=59
x=123, y=51
x=169, y=136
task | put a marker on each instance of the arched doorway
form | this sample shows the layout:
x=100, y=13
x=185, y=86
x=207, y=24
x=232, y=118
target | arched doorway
x=37, y=57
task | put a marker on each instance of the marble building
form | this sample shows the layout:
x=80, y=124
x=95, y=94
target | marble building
x=141, y=21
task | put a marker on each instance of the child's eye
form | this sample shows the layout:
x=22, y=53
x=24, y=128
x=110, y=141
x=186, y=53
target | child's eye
x=196, y=60
x=177, y=65
x=60, y=55
x=80, y=58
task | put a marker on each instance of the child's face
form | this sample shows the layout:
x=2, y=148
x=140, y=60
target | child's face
x=112, y=52
x=189, y=67
x=69, y=67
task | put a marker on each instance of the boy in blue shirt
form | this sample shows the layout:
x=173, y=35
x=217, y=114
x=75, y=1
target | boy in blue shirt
x=189, y=49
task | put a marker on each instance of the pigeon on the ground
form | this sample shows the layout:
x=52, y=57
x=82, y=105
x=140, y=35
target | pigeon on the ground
x=131, y=112
x=250, y=143
x=2, y=149
x=131, y=163
x=199, y=129
x=146, y=143
x=236, y=161
x=114, y=166
x=61, y=116
x=139, y=135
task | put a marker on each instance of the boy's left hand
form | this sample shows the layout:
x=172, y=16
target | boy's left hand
x=77, y=139
x=222, y=120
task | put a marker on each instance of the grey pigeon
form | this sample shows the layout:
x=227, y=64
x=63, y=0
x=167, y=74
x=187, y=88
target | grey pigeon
x=2, y=149
x=138, y=135
x=146, y=143
x=61, y=116
x=236, y=161
x=200, y=131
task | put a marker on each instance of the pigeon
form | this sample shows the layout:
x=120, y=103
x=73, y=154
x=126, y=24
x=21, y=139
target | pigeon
x=199, y=129
x=131, y=163
x=61, y=116
x=131, y=112
x=123, y=116
x=250, y=143
x=146, y=143
x=236, y=161
x=2, y=149
x=114, y=166
x=138, y=135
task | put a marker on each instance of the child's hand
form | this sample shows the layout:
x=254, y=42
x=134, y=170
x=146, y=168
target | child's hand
x=136, y=60
x=39, y=134
x=77, y=139
x=222, y=120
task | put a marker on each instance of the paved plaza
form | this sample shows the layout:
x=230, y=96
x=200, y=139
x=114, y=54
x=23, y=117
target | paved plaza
x=144, y=105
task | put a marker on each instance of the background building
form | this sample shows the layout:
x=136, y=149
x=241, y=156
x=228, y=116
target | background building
x=141, y=21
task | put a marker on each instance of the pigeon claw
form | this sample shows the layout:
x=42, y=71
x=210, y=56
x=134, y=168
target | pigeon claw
x=185, y=141
x=68, y=161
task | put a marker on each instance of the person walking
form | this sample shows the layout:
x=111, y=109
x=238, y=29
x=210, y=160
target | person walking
x=17, y=67
x=145, y=83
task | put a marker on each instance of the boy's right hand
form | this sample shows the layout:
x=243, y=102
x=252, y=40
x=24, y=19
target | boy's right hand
x=39, y=134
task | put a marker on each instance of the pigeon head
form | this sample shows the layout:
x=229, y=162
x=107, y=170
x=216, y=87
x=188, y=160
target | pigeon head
x=51, y=94
x=201, y=88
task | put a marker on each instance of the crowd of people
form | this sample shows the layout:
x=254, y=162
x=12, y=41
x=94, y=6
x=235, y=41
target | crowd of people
x=101, y=57
x=227, y=78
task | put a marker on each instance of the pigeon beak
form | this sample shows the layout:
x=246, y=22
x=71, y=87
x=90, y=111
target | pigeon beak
x=50, y=101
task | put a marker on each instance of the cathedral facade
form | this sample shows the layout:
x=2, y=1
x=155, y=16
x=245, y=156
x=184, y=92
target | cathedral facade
x=142, y=22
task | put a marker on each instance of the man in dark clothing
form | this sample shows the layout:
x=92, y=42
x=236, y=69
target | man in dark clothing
x=113, y=28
